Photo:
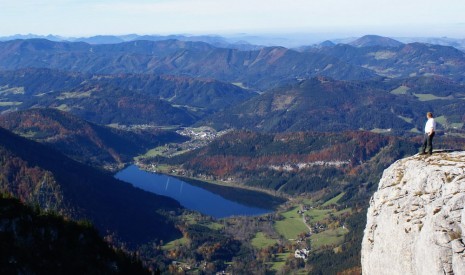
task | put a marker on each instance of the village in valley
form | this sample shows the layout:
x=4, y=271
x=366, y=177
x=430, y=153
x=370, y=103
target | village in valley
x=297, y=229
x=198, y=138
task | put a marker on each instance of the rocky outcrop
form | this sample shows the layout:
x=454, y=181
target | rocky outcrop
x=416, y=219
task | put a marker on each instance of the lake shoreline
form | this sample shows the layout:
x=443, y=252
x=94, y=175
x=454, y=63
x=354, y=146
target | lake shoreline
x=207, y=198
x=219, y=183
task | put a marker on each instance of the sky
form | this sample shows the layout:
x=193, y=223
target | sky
x=78, y=18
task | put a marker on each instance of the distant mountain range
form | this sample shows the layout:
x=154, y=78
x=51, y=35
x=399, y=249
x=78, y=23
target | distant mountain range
x=380, y=84
x=394, y=59
x=258, y=69
x=237, y=41
x=215, y=40
x=375, y=40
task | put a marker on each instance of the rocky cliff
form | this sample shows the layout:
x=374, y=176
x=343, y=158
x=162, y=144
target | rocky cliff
x=416, y=219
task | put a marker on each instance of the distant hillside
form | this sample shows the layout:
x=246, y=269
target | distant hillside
x=123, y=99
x=327, y=43
x=35, y=242
x=323, y=104
x=407, y=60
x=39, y=175
x=254, y=68
x=293, y=163
x=375, y=40
x=458, y=43
x=215, y=40
x=83, y=141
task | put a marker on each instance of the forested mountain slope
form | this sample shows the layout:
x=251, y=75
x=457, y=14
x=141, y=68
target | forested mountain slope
x=34, y=242
x=294, y=162
x=402, y=60
x=39, y=175
x=123, y=99
x=84, y=141
x=324, y=104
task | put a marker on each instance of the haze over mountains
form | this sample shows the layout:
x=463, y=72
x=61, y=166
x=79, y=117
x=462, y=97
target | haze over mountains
x=239, y=41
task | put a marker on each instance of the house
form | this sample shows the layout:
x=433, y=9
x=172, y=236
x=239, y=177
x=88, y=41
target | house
x=301, y=253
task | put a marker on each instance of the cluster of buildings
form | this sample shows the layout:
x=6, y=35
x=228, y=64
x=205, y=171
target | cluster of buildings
x=202, y=133
x=299, y=166
x=301, y=253
x=134, y=127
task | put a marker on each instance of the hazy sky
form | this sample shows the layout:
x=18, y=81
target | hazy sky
x=91, y=17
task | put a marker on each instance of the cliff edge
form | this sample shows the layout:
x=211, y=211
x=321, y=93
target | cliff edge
x=416, y=219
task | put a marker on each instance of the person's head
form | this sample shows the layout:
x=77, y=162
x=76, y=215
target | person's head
x=429, y=115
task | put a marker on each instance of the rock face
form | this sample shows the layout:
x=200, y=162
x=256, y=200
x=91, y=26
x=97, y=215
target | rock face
x=416, y=219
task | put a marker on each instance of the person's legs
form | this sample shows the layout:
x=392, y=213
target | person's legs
x=429, y=143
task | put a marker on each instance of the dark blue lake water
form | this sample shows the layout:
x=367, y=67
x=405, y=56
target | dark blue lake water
x=191, y=196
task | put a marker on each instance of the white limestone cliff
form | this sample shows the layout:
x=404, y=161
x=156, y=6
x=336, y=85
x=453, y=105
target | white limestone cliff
x=416, y=219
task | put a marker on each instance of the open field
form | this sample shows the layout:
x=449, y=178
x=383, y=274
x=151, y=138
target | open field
x=12, y=90
x=334, y=200
x=68, y=95
x=7, y=103
x=406, y=119
x=456, y=125
x=441, y=120
x=317, y=215
x=402, y=90
x=328, y=237
x=175, y=243
x=444, y=122
x=380, y=131
x=239, y=84
x=280, y=261
x=343, y=211
x=261, y=241
x=292, y=224
x=212, y=224
x=428, y=97
x=158, y=151
x=63, y=107
x=163, y=151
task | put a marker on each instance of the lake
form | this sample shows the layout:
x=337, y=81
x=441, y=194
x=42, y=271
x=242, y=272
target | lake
x=209, y=199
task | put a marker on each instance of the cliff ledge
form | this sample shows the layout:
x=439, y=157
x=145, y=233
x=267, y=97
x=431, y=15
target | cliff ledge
x=416, y=219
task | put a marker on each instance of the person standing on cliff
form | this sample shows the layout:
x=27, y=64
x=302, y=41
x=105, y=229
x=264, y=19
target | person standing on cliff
x=430, y=128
